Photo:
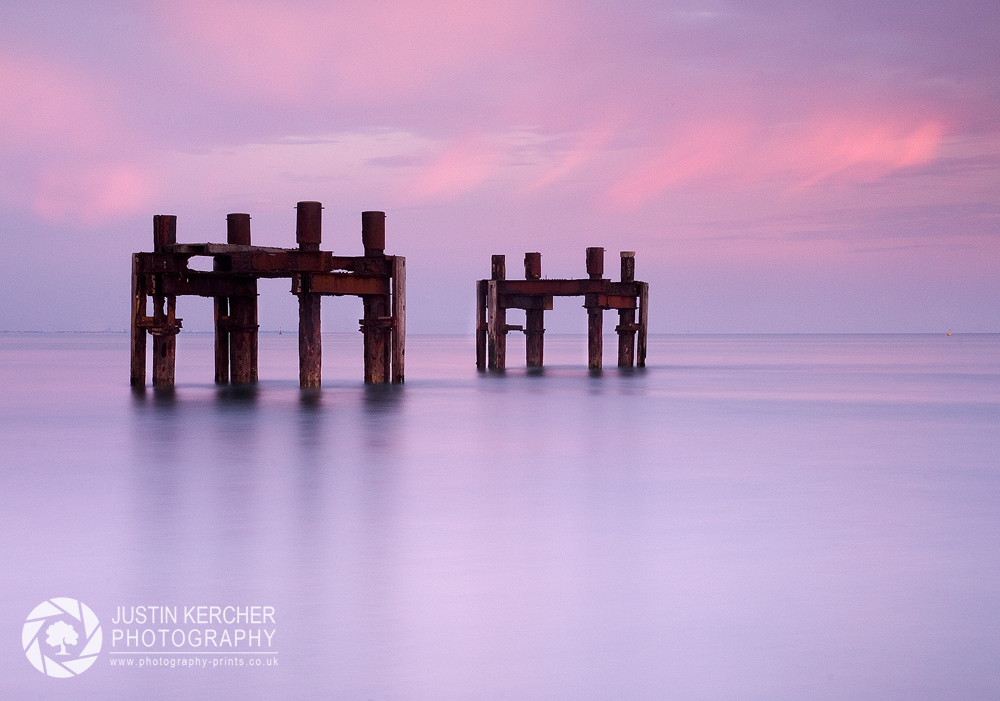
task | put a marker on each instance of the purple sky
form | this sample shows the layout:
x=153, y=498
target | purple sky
x=777, y=166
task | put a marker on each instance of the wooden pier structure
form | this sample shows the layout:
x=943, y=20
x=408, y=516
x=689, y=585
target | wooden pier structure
x=534, y=295
x=164, y=275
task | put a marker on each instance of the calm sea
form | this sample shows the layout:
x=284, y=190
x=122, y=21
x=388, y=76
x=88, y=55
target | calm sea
x=748, y=518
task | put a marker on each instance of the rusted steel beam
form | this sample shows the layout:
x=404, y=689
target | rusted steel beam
x=283, y=262
x=566, y=288
x=209, y=285
x=626, y=314
x=171, y=263
x=344, y=284
x=399, y=318
x=540, y=302
x=616, y=302
x=216, y=249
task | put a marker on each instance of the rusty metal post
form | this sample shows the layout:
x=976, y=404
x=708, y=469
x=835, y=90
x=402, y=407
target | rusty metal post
x=626, y=317
x=308, y=235
x=497, y=316
x=164, y=308
x=242, y=311
x=138, y=330
x=398, y=318
x=640, y=349
x=376, y=323
x=481, y=323
x=221, y=335
x=595, y=313
x=534, y=319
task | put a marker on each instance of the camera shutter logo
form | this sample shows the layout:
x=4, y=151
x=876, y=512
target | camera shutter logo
x=61, y=637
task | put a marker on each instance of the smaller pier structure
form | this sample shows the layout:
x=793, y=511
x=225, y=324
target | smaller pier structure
x=164, y=275
x=534, y=295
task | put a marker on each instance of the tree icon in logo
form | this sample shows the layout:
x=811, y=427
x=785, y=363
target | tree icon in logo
x=57, y=623
x=60, y=634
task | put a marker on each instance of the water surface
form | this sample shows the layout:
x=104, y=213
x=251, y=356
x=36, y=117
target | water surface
x=749, y=517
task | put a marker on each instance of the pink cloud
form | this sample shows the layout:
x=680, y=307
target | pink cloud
x=49, y=107
x=588, y=144
x=696, y=150
x=739, y=153
x=92, y=193
x=352, y=51
x=462, y=166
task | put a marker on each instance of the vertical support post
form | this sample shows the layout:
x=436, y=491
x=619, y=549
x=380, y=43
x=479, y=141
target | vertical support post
x=243, y=343
x=221, y=338
x=481, y=323
x=496, y=331
x=626, y=317
x=534, y=319
x=398, y=318
x=643, y=321
x=376, y=320
x=138, y=330
x=308, y=235
x=595, y=314
x=164, y=328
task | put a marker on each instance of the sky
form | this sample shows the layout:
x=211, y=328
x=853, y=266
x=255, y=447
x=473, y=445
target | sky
x=778, y=166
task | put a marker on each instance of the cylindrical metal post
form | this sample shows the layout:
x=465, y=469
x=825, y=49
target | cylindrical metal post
x=164, y=231
x=595, y=263
x=238, y=229
x=309, y=225
x=498, y=268
x=532, y=266
x=373, y=233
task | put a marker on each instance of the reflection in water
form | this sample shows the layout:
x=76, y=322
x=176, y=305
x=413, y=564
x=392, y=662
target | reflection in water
x=778, y=518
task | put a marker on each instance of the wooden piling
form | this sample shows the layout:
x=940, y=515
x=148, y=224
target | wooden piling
x=534, y=319
x=398, y=318
x=595, y=313
x=308, y=235
x=497, y=318
x=138, y=330
x=626, y=317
